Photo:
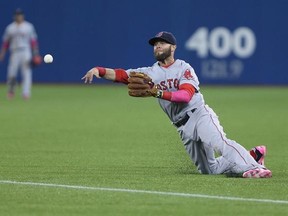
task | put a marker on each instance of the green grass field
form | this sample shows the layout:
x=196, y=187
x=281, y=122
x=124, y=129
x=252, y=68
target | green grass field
x=98, y=139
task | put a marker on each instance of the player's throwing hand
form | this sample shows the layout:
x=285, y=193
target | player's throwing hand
x=89, y=75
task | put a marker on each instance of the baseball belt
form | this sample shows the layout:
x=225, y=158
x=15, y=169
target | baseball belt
x=184, y=119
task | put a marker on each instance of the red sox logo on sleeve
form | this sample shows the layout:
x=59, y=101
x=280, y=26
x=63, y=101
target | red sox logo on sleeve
x=188, y=75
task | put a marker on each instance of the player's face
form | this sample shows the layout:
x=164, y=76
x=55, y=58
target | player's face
x=19, y=18
x=162, y=50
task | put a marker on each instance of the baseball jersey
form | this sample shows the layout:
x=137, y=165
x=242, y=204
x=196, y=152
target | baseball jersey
x=169, y=79
x=19, y=36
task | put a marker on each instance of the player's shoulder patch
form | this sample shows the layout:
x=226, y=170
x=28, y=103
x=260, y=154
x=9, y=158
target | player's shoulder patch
x=188, y=75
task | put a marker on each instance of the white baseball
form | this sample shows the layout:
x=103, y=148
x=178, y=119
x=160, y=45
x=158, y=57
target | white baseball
x=48, y=58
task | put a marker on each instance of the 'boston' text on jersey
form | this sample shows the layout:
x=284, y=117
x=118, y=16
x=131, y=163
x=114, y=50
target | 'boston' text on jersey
x=168, y=84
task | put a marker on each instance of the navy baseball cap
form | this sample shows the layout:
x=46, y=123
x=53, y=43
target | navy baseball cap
x=18, y=11
x=163, y=36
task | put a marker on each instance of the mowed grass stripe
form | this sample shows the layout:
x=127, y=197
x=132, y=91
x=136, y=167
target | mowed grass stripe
x=204, y=196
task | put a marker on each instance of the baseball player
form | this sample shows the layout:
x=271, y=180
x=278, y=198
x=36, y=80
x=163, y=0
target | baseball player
x=21, y=39
x=177, y=88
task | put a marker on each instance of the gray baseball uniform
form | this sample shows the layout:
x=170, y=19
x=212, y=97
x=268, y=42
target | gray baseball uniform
x=19, y=37
x=197, y=124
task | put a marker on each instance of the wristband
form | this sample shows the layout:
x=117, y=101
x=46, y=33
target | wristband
x=102, y=71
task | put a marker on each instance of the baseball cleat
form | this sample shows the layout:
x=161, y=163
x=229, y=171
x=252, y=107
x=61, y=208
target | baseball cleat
x=258, y=153
x=257, y=173
x=10, y=95
x=26, y=97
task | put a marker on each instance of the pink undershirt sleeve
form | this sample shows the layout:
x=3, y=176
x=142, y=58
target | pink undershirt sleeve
x=184, y=94
x=181, y=96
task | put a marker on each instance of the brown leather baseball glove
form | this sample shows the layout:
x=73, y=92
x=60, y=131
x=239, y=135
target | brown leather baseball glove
x=36, y=60
x=141, y=85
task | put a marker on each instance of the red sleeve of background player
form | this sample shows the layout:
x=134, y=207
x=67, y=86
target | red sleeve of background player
x=121, y=76
x=34, y=43
x=184, y=94
x=5, y=44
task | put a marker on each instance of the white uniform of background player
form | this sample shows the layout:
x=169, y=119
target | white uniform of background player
x=196, y=123
x=21, y=38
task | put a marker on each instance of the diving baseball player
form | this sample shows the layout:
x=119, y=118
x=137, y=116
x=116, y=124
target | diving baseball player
x=175, y=84
x=21, y=39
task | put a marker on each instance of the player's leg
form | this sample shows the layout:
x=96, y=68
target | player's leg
x=26, y=75
x=202, y=156
x=234, y=157
x=198, y=155
x=13, y=66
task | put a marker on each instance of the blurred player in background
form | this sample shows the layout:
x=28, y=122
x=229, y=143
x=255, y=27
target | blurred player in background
x=21, y=39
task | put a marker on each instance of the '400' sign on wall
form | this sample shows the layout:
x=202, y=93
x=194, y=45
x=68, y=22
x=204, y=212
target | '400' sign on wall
x=222, y=51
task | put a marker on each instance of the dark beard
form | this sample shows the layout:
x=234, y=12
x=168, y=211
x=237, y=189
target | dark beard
x=162, y=57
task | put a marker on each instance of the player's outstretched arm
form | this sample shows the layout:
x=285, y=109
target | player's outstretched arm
x=2, y=53
x=99, y=72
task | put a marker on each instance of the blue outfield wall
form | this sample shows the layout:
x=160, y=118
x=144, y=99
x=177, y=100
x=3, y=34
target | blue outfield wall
x=226, y=41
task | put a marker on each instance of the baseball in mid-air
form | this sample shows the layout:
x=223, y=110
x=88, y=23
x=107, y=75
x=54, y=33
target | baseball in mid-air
x=48, y=58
